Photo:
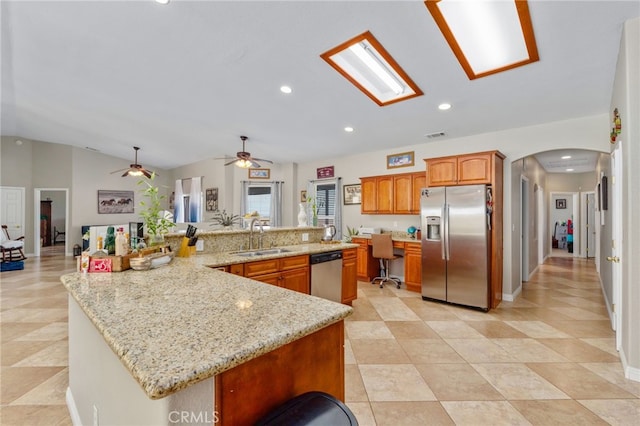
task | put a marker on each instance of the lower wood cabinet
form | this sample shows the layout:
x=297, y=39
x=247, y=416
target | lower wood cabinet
x=366, y=268
x=413, y=266
x=349, y=276
x=291, y=273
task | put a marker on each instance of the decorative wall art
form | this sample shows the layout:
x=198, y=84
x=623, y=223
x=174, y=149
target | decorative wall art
x=604, y=193
x=112, y=202
x=259, y=173
x=325, y=172
x=303, y=196
x=561, y=203
x=211, y=198
x=404, y=159
x=352, y=194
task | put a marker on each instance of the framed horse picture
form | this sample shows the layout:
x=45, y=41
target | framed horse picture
x=110, y=202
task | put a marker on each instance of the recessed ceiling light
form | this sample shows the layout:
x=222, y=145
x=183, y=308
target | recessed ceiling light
x=569, y=170
x=444, y=107
x=348, y=129
x=286, y=89
x=566, y=157
x=162, y=1
x=368, y=66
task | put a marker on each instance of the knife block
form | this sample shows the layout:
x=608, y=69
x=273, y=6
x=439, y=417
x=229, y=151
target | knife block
x=185, y=250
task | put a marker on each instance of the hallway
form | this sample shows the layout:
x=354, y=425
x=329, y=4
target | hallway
x=546, y=358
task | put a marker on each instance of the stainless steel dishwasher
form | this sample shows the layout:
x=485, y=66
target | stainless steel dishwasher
x=326, y=275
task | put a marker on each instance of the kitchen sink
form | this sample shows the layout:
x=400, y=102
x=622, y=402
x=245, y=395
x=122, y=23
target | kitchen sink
x=262, y=252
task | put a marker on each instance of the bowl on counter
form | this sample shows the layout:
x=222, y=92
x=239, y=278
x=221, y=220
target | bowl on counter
x=140, y=263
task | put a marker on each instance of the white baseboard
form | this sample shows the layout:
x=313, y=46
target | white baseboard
x=630, y=373
x=513, y=296
x=73, y=411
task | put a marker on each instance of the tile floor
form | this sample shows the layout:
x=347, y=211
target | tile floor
x=548, y=358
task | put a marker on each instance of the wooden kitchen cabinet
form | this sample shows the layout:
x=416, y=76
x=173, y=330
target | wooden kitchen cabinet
x=349, y=276
x=468, y=169
x=392, y=194
x=366, y=268
x=291, y=273
x=45, y=223
x=413, y=266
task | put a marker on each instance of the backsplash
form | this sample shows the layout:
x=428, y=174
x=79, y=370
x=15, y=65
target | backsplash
x=238, y=239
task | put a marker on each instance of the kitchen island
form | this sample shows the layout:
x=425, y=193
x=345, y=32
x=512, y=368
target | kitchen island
x=189, y=342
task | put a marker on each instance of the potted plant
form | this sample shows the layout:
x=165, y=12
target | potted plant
x=351, y=232
x=151, y=207
x=225, y=219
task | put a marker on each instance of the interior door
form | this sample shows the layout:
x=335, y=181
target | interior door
x=616, y=258
x=12, y=210
x=591, y=225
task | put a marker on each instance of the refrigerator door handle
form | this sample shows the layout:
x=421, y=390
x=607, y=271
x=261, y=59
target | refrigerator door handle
x=445, y=237
x=443, y=232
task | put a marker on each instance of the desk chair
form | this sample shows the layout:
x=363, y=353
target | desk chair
x=383, y=249
x=11, y=249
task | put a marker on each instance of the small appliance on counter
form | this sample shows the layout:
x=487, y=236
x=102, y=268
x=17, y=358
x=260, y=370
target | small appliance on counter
x=329, y=233
x=367, y=231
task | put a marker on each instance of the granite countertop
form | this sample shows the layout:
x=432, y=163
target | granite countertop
x=182, y=323
x=401, y=236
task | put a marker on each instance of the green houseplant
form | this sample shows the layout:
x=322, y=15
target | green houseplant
x=225, y=219
x=151, y=206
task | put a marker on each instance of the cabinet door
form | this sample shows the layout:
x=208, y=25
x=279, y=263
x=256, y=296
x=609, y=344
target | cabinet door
x=402, y=193
x=442, y=171
x=413, y=266
x=362, y=265
x=236, y=269
x=369, y=192
x=384, y=198
x=294, y=262
x=349, y=280
x=474, y=168
x=296, y=280
x=418, y=181
x=273, y=279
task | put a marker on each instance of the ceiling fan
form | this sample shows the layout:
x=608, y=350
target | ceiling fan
x=244, y=159
x=135, y=169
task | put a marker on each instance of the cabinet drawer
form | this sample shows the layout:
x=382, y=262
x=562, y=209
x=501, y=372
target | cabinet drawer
x=294, y=262
x=261, y=267
x=349, y=254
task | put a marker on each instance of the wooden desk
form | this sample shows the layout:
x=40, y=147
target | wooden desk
x=368, y=266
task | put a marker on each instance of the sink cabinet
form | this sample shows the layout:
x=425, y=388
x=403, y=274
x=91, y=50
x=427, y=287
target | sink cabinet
x=291, y=273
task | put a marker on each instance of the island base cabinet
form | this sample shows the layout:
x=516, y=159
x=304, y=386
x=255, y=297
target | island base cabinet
x=246, y=393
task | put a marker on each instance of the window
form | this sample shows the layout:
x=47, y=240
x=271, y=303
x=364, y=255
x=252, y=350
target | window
x=326, y=203
x=259, y=200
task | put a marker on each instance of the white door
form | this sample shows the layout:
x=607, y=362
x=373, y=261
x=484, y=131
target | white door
x=12, y=210
x=616, y=258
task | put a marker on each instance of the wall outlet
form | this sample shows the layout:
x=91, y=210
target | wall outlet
x=199, y=245
x=305, y=237
x=395, y=224
x=95, y=416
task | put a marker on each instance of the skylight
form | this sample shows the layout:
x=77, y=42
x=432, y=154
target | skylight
x=367, y=65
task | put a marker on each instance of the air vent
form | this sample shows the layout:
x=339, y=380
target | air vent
x=91, y=149
x=434, y=135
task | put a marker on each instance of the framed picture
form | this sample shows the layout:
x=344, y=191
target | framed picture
x=259, y=173
x=352, y=194
x=404, y=159
x=604, y=196
x=325, y=172
x=561, y=203
x=211, y=199
x=112, y=202
x=303, y=196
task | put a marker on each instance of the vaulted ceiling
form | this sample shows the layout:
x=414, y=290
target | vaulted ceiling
x=185, y=80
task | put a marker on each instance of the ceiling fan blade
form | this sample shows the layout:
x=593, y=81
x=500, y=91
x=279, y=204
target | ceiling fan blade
x=146, y=173
x=118, y=171
x=125, y=173
x=254, y=164
x=231, y=162
x=263, y=160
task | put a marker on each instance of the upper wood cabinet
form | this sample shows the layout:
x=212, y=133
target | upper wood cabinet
x=468, y=169
x=392, y=194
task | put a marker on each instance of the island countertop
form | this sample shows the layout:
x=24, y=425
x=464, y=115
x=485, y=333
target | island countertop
x=182, y=323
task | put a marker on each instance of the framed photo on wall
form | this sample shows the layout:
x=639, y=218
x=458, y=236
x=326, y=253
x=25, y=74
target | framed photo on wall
x=352, y=194
x=212, y=199
x=259, y=173
x=404, y=159
x=111, y=202
x=561, y=203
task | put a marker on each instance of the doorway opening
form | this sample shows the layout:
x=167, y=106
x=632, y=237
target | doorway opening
x=51, y=221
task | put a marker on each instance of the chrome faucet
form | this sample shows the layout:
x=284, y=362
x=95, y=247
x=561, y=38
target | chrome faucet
x=251, y=226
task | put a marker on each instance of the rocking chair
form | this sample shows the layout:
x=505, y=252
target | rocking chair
x=11, y=249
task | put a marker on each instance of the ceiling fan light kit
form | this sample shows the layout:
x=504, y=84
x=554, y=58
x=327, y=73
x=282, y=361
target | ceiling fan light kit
x=135, y=169
x=244, y=159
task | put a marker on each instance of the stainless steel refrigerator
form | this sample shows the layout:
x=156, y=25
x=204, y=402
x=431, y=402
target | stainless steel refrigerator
x=455, y=245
